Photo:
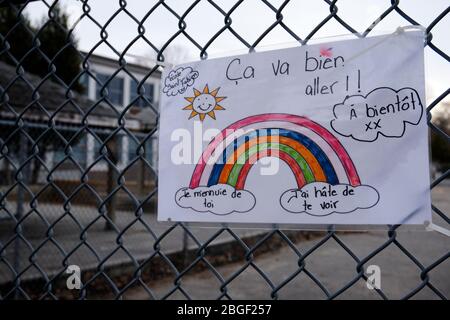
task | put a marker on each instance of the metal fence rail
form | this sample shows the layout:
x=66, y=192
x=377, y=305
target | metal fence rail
x=24, y=255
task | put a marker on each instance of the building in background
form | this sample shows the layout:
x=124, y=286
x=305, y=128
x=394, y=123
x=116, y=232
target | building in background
x=122, y=93
x=102, y=110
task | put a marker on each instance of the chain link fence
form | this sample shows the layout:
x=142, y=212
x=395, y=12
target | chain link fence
x=78, y=182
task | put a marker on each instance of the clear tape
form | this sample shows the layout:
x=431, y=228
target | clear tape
x=434, y=227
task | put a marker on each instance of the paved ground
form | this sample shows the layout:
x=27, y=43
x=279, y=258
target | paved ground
x=333, y=267
x=331, y=264
x=99, y=243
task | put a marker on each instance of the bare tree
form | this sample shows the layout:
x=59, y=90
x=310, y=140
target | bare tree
x=176, y=54
x=173, y=54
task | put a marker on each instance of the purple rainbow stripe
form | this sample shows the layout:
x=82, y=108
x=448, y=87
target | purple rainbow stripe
x=334, y=143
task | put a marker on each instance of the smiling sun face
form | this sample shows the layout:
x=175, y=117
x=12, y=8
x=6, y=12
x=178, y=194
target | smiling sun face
x=204, y=103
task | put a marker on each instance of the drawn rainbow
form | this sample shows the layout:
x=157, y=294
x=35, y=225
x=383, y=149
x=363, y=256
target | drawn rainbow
x=310, y=150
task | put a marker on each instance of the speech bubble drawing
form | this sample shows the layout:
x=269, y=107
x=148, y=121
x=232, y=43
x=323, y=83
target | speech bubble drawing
x=219, y=199
x=178, y=80
x=383, y=111
x=322, y=199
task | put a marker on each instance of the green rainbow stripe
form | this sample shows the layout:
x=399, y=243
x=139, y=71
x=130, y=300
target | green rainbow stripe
x=234, y=174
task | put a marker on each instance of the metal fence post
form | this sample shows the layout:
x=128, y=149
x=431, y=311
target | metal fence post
x=21, y=178
x=111, y=180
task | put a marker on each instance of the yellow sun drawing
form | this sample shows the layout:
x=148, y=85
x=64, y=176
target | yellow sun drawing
x=204, y=103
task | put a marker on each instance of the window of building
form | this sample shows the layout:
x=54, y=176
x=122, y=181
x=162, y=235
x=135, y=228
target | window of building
x=99, y=144
x=84, y=82
x=96, y=149
x=132, y=149
x=79, y=151
x=115, y=88
x=147, y=89
x=148, y=150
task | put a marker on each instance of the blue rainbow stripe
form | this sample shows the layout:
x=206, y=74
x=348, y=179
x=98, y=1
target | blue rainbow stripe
x=320, y=155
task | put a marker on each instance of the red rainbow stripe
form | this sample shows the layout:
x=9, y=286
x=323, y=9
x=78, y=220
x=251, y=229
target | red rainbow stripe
x=334, y=143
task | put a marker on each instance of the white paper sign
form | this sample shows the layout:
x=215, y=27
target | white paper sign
x=333, y=133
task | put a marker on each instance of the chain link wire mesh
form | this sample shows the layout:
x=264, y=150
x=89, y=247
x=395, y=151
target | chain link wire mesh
x=104, y=221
